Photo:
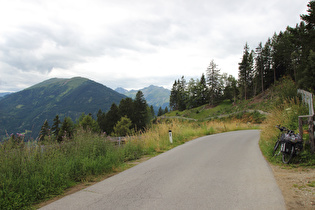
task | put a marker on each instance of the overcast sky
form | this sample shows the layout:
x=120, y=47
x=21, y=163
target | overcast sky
x=132, y=43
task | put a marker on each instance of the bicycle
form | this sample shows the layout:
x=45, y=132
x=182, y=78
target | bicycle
x=290, y=144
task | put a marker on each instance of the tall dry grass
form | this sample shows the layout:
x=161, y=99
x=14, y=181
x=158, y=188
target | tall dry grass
x=156, y=138
x=285, y=114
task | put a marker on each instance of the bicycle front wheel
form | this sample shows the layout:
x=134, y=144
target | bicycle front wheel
x=275, y=148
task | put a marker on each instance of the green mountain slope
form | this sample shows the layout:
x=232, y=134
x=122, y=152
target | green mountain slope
x=28, y=109
x=154, y=95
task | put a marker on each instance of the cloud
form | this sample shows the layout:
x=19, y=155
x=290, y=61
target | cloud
x=40, y=48
x=114, y=40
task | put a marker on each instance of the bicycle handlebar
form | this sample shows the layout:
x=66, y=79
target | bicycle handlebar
x=282, y=129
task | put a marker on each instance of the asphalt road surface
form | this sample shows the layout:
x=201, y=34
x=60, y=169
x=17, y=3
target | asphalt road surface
x=221, y=171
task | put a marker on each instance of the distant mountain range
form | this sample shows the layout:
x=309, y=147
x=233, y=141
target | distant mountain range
x=154, y=95
x=26, y=111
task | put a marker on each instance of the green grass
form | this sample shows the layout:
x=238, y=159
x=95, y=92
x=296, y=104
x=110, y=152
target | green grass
x=37, y=172
x=34, y=172
x=225, y=111
x=204, y=111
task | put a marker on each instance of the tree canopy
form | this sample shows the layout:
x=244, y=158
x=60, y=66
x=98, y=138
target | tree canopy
x=289, y=53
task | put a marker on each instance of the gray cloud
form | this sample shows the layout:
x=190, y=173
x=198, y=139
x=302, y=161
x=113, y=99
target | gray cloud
x=64, y=35
x=40, y=48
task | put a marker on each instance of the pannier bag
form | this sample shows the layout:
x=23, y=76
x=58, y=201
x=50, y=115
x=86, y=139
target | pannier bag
x=294, y=138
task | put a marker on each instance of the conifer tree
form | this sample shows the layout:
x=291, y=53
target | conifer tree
x=55, y=127
x=182, y=94
x=111, y=118
x=101, y=120
x=213, y=79
x=267, y=64
x=165, y=110
x=202, y=91
x=259, y=68
x=126, y=107
x=246, y=72
x=308, y=81
x=174, y=97
x=45, y=131
x=160, y=112
x=192, y=94
x=140, y=111
x=152, y=112
x=66, y=130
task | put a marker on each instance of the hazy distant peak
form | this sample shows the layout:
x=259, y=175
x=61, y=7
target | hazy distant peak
x=121, y=90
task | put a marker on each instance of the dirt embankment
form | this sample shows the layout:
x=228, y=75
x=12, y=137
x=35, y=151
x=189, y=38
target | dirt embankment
x=297, y=186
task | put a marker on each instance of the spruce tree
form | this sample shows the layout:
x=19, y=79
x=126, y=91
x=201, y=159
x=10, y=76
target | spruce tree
x=259, y=68
x=112, y=117
x=140, y=111
x=174, y=97
x=101, y=120
x=182, y=94
x=67, y=129
x=246, y=72
x=45, y=131
x=126, y=107
x=213, y=80
x=160, y=112
x=55, y=127
x=203, y=91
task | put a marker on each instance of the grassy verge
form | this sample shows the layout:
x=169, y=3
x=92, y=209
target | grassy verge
x=286, y=115
x=34, y=172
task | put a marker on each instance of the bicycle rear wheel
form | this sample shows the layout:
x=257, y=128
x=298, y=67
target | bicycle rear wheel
x=287, y=156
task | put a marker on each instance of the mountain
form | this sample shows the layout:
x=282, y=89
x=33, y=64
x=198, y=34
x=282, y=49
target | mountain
x=2, y=95
x=28, y=109
x=154, y=95
x=121, y=90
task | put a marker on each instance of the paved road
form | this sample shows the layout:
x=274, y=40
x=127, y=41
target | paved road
x=222, y=171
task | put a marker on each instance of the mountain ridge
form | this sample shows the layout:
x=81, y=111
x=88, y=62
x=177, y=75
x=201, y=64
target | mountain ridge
x=154, y=95
x=26, y=110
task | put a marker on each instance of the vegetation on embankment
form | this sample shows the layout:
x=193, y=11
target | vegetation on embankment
x=285, y=115
x=287, y=107
x=35, y=171
x=279, y=105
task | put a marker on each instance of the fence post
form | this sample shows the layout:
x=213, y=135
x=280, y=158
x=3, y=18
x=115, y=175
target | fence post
x=301, y=126
x=311, y=133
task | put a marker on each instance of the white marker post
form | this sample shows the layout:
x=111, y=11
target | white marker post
x=170, y=134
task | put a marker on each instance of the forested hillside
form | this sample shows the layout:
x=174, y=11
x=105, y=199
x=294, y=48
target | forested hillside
x=26, y=111
x=289, y=53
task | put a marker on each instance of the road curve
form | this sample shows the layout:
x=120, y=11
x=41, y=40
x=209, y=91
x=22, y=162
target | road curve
x=221, y=171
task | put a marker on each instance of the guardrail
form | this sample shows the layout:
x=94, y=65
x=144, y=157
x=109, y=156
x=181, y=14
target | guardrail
x=117, y=140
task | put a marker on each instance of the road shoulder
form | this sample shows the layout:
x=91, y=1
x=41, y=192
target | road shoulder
x=297, y=186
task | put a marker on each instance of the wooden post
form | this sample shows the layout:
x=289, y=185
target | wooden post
x=301, y=126
x=311, y=133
